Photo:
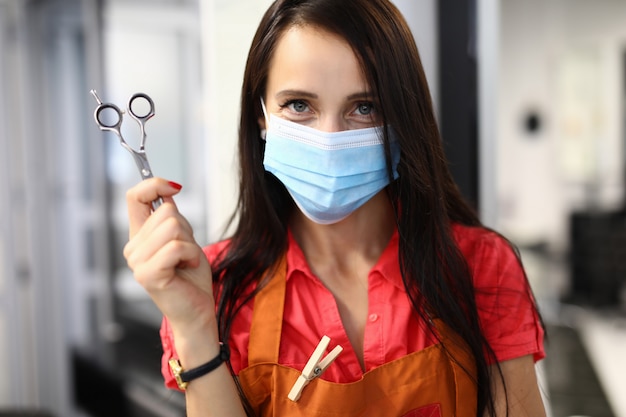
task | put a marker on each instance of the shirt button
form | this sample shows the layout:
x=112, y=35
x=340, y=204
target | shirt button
x=373, y=317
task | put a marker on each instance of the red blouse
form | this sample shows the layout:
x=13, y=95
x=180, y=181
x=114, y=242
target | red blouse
x=508, y=319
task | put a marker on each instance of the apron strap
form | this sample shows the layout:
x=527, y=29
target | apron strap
x=267, y=318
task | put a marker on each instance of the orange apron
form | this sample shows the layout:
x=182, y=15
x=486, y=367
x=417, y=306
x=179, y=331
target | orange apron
x=427, y=383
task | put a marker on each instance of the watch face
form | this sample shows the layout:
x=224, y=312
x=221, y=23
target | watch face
x=177, y=370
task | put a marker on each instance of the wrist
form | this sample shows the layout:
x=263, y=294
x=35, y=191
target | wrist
x=196, y=345
x=184, y=376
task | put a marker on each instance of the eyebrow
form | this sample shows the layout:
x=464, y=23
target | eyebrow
x=302, y=93
x=363, y=95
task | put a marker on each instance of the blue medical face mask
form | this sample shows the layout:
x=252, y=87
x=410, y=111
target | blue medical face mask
x=328, y=174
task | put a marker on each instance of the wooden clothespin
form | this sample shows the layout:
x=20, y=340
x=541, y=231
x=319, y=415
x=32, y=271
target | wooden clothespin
x=314, y=367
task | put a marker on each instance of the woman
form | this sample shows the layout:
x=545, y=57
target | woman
x=350, y=226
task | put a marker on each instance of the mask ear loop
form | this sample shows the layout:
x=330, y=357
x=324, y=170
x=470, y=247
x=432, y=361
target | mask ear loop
x=264, y=131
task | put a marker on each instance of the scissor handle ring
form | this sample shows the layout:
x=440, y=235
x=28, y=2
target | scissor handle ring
x=106, y=106
x=146, y=97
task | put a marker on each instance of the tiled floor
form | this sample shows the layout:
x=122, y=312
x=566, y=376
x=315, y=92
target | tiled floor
x=573, y=386
x=603, y=334
x=585, y=367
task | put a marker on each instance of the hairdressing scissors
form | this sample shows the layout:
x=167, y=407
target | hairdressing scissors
x=139, y=155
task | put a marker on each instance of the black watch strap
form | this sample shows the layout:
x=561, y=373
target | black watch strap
x=211, y=365
x=184, y=377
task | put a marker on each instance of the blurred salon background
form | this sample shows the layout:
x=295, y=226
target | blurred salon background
x=531, y=99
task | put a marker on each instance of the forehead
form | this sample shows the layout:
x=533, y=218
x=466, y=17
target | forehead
x=310, y=58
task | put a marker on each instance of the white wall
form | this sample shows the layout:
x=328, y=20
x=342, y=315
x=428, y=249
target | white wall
x=37, y=157
x=423, y=21
x=4, y=351
x=562, y=58
x=17, y=350
x=228, y=28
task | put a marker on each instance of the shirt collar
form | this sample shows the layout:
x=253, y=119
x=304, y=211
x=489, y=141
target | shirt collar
x=387, y=266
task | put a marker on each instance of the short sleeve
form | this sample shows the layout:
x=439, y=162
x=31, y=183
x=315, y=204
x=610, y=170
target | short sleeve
x=169, y=352
x=507, y=311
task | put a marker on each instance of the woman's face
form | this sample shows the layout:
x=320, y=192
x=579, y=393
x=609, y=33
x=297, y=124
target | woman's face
x=315, y=79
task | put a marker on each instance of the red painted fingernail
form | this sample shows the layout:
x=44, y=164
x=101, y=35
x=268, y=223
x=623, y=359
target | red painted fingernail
x=175, y=185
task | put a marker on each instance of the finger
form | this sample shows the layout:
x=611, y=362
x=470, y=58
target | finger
x=139, y=199
x=160, y=271
x=164, y=213
x=169, y=210
x=160, y=228
x=192, y=265
x=182, y=296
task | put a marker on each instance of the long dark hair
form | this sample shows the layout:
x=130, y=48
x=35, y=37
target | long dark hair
x=425, y=197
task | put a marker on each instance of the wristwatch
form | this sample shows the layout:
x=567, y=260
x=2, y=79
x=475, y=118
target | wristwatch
x=183, y=377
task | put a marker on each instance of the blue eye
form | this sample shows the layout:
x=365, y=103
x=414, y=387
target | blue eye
x=297, y=106
x=364, y=109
